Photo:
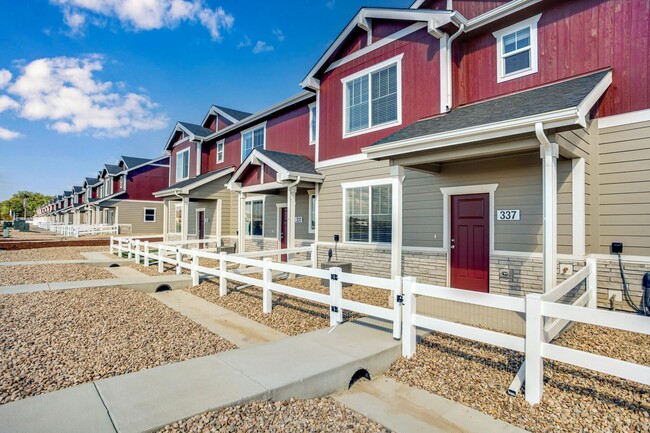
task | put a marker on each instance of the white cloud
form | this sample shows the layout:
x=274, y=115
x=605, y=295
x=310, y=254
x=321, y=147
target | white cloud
x=147, y=14
x=64, y=92
x=330, y=4
x=6, y=134
x=279, y=35
x=262, y=47
x=245, y=43
x=74, y=20
x=5, y=77
x=6, y=103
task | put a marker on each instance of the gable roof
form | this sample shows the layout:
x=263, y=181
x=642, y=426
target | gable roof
x=555, y=105
x=131, y=161
x=290, y=162
x=67, y=193
x=237, y=115
x=185, y=186
x=196, y=130
x=77, y=189
x=111, y=169
x=433, y=19
x=91, y=181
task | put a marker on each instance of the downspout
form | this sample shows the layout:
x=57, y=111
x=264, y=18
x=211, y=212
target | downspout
x=451, y=39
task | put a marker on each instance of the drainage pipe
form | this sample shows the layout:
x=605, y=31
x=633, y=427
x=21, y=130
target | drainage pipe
x=451, y=39
x=518, y=381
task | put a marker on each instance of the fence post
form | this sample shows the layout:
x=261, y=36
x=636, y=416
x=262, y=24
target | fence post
x=592, y=283
x=178, y=262
x=267, y=277
x=223, y=267
x=314, y=255
x=409, y=334
x=146, y=253
x=112, y=249
x=336, y=292
x=397, y=308
x=161, y=264
x=137, y=251
x=534, y=339
x=119, y=247
x=193, y=271
x=129, y=246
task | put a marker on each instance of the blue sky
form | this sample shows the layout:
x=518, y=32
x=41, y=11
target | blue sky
x=85, y=81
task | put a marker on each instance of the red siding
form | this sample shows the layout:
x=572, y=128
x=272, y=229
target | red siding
x=420, y=92
x=574, y=38
x=222, y=122
x=175, y=151
x=144, y=181
x=381, y=29
x=252, y=175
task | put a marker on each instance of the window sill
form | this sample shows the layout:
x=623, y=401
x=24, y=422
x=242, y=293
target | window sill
x=514, y=75
x=372, y=129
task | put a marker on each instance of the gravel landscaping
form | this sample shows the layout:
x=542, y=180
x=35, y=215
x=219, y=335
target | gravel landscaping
x=292, y=416
x=57, y=253
x=54, y=340
x=36, y=274
x=575, y=400
x=292, y=316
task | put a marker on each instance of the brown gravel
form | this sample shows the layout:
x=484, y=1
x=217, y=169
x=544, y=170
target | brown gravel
x=575, y=400
x=39, y=254
x=292, y=416
x=54, y=340
x=35, y=274
x=152, y=270
x=292, y=316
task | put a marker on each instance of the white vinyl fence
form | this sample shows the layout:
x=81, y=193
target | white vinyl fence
x=79, y=230
x=545, y=315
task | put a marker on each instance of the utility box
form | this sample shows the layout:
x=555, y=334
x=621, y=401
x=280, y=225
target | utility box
x=345, y=266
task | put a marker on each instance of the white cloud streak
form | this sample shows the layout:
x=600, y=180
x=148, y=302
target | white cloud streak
x=64, y=92
x=262, y=47
x=6, y=134
x=5, y=77
x=147, y=14
x=279, y=35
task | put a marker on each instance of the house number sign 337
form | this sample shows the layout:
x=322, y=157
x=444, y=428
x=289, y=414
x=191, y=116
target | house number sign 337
x=508, y=215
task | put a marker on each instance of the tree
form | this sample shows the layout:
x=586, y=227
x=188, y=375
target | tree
x=34, y=200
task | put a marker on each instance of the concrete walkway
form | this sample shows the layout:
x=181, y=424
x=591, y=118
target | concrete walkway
x=237, y=329
x=404, y=409
x=105, y=262
x=307, y=366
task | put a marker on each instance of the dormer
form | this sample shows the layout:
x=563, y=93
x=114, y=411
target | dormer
x=220, y=117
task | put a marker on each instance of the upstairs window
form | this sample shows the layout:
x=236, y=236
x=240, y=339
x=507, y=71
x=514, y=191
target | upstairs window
x=313, y=119
x=183, y=165
x=220, y=150
x=253, y=138
x=517, y=50
x=122, y=182
x=372, y=98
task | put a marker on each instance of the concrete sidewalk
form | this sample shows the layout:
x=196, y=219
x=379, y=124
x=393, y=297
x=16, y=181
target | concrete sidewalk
x=105, y=262
x=310, y=365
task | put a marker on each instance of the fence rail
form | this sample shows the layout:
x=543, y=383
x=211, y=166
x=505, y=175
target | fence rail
x=545, y=316
x=79, y=230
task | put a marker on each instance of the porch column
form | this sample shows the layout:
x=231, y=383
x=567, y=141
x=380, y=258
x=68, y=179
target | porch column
x=241, y=246
x=165, y=219
x=185, y=222
x=578, y=203
x=397, y=178
x=549, y=154
x=291, y=216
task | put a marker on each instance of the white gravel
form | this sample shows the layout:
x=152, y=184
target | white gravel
x=54, y=340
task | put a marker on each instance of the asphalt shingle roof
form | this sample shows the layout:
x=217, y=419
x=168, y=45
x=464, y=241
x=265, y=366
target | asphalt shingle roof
x=187, y=182
x=77, y=189
x=292, y=163
x=197, y=130
x=130, y=161
x=112, y=169
x=91, y=181
x=67, y=193
x=553, y=97
x=239, y=115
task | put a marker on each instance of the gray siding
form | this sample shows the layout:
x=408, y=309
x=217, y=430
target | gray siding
x=132, y=212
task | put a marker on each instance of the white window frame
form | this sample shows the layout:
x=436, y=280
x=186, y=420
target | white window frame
x=534, y=52
x=221, y=143
x=144, y=217
x=123, y=182
x=178, y=179
x=252, y=130
x=313, y=117
x=253, y=199
x=365, y=184
x=176, y=206
x=313, y=208
x=397, y=60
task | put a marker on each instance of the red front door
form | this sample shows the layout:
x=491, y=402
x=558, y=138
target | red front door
x=470, y=242
x=283, y=231
x=200, y=223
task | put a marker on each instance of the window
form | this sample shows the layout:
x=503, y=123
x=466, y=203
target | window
x=372, y=98
x=313, y=119
x=517, y=50
x=312, y=213
x=252, y=139
x=220, y=146
x=122, y=182
x=178, y=218
x=150, y=215
x=368, y=213
x=254, y=218
x=183, y=165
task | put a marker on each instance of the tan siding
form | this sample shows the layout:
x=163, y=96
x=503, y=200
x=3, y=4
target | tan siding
x=132, y=212
x=302, y=210
x=624, y=188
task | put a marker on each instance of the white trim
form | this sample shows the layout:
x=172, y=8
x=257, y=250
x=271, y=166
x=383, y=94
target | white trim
x=397, y=61
x=312, y=193
x=317, y=144
x=590, y=100
x=313, y=116
x=252, y=130
x=534, y=52
x=624, y=119
x=261, y=198
x=375, y=46
x=442, y=55
x=278, y=215
x=221, y=142
x=447, y=193
x=199, y=156
x=189, y=159
x=176, y=206
x=639, y=259
x=196, y=216
x=358, y=157
x=365, y=184
x=144, y=216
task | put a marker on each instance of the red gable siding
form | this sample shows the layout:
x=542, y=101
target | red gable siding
x=574, y=38
x=253, y=175
x=144, y=181
x=420, y=92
